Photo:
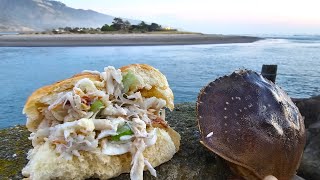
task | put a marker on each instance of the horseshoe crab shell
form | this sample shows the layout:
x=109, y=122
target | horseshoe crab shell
x=253, y=124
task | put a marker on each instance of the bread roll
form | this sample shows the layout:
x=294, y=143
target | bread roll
x=70, y=142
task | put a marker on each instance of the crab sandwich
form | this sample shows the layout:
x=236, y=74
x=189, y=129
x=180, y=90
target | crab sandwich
x=101, y=124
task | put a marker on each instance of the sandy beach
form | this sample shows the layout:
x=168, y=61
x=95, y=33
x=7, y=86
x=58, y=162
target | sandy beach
x=47, y=40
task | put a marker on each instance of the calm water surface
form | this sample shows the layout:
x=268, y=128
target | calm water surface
x=187, y=68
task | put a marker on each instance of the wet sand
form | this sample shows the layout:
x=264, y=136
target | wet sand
x=47, y=40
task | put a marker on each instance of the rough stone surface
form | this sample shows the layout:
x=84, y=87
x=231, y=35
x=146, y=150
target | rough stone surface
x=310, y=164
x=14, y=145
x=310, y=109
x=193, y=161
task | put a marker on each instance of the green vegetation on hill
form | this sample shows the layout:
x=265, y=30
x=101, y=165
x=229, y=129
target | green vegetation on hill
x=119, y=26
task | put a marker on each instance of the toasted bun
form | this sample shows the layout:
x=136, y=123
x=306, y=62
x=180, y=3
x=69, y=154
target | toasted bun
x=45, y=163
x=152, y=83
x=41, y=98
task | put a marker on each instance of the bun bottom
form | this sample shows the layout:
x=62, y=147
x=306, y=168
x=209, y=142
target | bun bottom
x=45, y=163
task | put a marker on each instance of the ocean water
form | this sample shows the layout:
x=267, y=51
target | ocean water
x=187, y=68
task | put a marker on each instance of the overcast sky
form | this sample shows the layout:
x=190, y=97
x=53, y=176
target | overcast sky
x=213, y=16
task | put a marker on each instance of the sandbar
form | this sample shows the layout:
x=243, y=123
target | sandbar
x=49, y=40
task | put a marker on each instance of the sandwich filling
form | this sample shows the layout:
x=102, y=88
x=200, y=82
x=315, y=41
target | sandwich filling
x=104, y=117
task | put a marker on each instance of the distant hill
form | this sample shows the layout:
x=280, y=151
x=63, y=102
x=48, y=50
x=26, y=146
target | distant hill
x=35, y=15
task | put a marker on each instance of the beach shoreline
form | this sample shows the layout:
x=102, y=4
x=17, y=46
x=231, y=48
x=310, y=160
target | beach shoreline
x=58, y=40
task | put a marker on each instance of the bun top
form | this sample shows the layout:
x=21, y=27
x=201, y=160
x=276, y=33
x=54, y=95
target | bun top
x=150, y=82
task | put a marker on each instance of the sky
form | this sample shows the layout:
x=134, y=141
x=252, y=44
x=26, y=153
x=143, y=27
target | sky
x=216, y=16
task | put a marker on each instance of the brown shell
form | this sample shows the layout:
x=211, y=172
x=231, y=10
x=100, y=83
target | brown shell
x=252, y=123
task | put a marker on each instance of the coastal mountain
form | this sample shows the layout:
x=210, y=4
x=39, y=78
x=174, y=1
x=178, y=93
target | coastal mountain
x=37, y=15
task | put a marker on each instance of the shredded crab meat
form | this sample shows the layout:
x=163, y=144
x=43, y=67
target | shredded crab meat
x=73, y=136
x=154, y=103
x=114, y=111
x=98, y=117
x=39, y=136
x=115, y=148
x=113, y=79
x=138, y=159
x=152, y=171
